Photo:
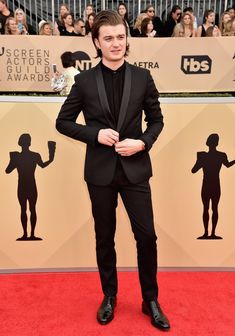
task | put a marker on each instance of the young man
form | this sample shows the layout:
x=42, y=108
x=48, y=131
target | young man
x=112, y=96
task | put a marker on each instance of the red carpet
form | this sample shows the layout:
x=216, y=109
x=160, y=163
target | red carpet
x=65, y=304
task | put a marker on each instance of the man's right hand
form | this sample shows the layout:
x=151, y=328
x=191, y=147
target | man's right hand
x=108, y=137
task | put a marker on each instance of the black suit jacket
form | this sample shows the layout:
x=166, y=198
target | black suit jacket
x=88, y=95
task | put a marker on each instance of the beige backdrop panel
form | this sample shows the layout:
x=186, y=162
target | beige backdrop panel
x=63, y=206
x=176, y=64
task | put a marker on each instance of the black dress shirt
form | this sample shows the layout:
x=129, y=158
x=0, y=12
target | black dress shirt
x=113, y=83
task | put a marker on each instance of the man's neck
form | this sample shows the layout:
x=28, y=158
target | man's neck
x=113, y=65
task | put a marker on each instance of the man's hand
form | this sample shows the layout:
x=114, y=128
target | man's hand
x=108, y=137
x=129, y=147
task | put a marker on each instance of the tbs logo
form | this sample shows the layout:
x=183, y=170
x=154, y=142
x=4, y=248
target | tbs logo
x=194, y=65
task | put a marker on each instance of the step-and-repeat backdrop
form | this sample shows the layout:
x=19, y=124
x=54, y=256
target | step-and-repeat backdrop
x=177, y=64
x=41, y=165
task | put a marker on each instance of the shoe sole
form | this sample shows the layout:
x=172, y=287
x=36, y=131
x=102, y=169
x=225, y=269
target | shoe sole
x=104, y=323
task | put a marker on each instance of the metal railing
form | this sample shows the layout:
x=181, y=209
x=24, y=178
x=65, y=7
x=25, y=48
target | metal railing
x=48, y=9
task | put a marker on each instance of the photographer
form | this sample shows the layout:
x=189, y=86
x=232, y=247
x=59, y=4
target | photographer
x=62, y=82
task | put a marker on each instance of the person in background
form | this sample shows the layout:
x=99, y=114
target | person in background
x=11, y=27
x=225, y=17
x=62, y=82
x=68, y=24
x=213, y=31
x=45, y=28
x=59, y=24
x=113, y=96
x=231, y=11
x=88, y=10
x=189, y=10
x=123, y=12
x=185, y=27
x=5, y=13
x=157, y=23
x=147, y=28
x=229, y=28
x=89, y=24
x=79, y=28
x=208, y=21
x=173, y=18
x=137, y=26
x=21, y=22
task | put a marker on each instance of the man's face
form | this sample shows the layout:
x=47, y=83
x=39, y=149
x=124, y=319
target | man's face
x=112, y=41
x=80, y=27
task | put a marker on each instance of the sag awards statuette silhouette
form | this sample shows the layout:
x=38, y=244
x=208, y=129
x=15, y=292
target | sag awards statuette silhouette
x=211, y=163
x=25, y=162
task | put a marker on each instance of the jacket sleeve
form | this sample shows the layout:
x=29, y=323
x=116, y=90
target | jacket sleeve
x=66, y=120
x=153, y=114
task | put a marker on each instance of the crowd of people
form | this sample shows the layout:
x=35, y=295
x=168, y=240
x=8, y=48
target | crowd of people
x=179, y=22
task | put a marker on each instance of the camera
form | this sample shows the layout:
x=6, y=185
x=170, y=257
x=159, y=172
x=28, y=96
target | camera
x=54, y=68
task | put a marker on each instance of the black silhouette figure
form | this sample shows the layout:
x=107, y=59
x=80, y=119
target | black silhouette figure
x=211, y=163
x=26, y=162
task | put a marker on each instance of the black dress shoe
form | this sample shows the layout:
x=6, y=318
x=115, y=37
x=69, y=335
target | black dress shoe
x=105, y=312
x=158, y=319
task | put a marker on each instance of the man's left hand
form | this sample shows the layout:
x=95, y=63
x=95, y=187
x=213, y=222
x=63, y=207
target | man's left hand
x=129, y=147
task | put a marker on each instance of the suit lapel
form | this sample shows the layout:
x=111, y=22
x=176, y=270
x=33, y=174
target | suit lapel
x=125, y=97
x=103, y=97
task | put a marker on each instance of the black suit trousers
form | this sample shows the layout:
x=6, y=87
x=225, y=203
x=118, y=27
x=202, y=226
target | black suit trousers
x=137, y=201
